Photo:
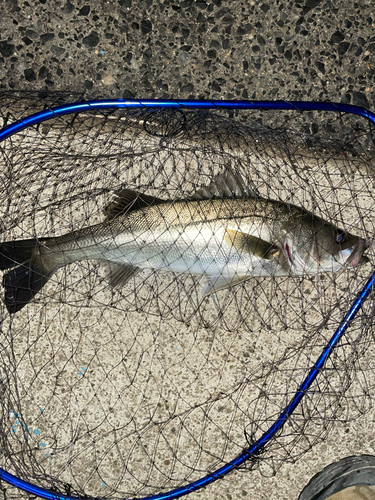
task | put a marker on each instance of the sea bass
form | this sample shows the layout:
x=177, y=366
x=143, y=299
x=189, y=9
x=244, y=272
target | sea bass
x=224, y=234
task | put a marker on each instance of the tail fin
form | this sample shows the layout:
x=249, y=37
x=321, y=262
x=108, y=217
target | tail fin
x=16, y=252
x=23, y=282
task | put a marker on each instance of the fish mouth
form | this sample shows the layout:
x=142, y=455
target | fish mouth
x=357, y=257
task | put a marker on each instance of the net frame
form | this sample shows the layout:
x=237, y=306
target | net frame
x=261, y=443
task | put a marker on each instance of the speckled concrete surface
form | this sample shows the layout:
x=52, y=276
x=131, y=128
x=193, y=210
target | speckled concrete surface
x=194, y=49
x=272, y=50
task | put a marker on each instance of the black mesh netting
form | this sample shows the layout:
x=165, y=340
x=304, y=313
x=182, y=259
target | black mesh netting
x=135, y=390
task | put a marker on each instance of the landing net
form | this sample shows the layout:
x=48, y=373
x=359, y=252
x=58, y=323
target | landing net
x=135, y=391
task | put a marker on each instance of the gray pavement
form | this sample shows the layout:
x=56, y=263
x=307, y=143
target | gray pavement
x=308, y=50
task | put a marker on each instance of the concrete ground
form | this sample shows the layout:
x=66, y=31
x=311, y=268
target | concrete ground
x=308, y=50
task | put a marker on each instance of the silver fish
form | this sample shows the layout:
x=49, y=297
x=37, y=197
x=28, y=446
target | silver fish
x=224, y=233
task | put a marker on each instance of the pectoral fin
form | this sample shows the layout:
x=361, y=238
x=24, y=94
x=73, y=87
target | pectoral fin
x=215, y=283
x=246, y=243
x=120, y=274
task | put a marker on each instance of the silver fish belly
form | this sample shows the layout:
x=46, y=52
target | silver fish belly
x=223, y=240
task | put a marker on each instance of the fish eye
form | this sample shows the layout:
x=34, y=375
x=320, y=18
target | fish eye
x=340, y=235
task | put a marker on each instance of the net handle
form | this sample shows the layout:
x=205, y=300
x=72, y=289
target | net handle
x=314, y=372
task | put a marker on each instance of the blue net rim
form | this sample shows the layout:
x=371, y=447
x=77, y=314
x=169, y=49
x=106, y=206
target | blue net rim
x=259, y=445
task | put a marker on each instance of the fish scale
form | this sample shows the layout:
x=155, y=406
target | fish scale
x=223, y=239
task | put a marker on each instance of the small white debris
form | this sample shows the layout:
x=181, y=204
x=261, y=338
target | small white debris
x=108, y=80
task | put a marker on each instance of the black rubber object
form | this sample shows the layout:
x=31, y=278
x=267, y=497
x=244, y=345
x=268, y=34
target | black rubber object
x=349, y=471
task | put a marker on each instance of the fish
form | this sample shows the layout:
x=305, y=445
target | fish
x=224, y=233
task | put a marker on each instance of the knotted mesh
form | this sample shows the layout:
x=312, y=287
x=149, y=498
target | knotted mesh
x=135, y=390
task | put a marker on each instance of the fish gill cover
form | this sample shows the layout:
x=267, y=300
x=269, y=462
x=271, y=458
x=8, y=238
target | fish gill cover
x=192, y=267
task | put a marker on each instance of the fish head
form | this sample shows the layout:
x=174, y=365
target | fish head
x=314, y=245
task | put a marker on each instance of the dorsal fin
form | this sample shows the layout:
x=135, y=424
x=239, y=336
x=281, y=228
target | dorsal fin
x=229, y=184
x=128, y=200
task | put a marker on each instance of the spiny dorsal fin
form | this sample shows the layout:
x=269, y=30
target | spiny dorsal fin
x=247, y=243
x=128, y=200
x=229, y=184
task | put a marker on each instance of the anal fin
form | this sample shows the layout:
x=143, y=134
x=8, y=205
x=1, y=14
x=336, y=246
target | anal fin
x=120, y=274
